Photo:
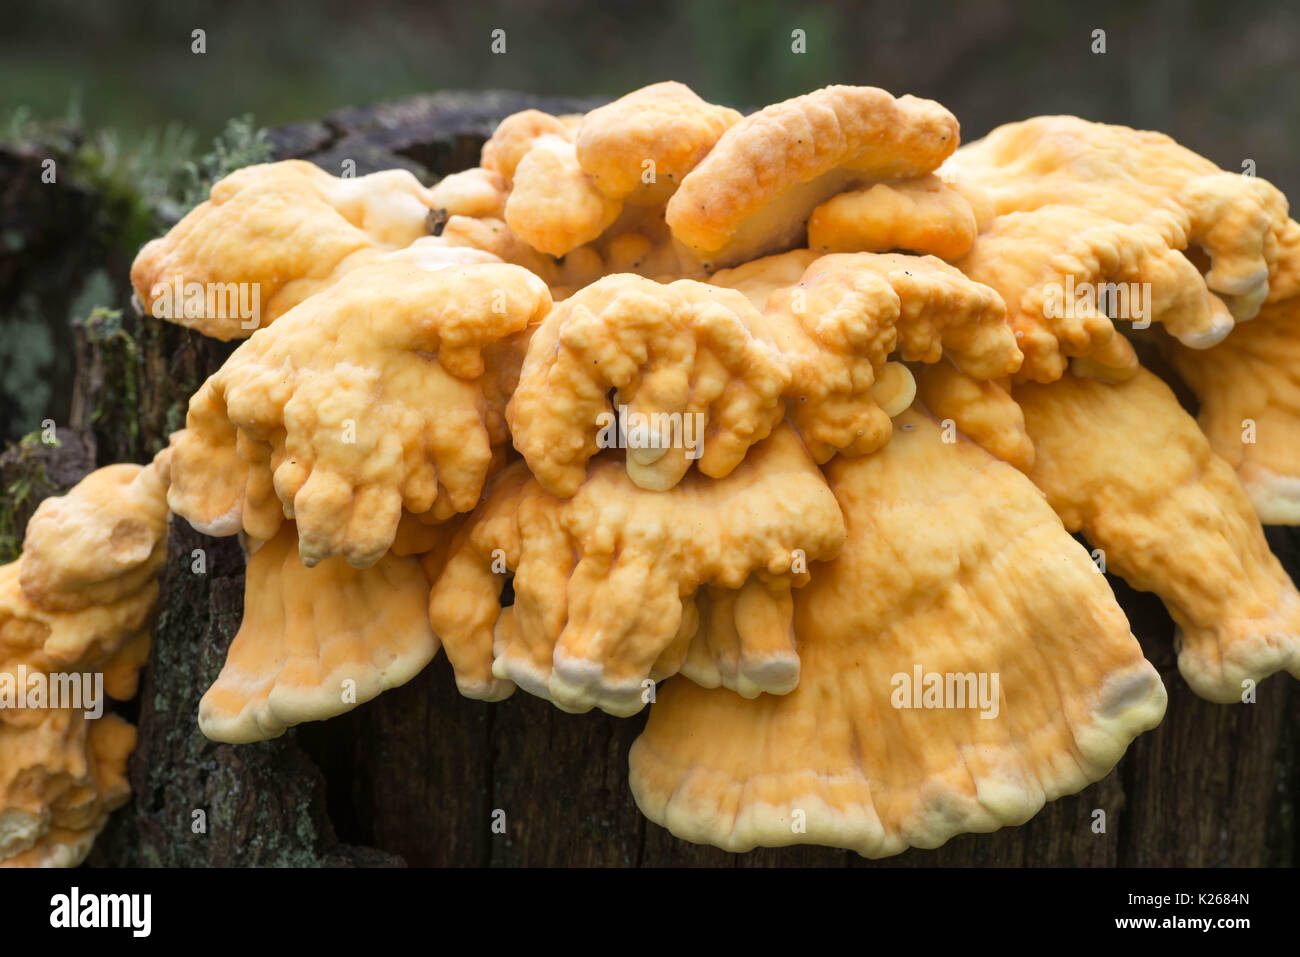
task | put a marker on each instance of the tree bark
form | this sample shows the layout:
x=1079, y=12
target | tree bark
x=420, y=774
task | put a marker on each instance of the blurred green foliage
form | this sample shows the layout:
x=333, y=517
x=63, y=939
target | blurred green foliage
x=1218, y=77
x=242, y=143
x=143, y=178
x=141, y=182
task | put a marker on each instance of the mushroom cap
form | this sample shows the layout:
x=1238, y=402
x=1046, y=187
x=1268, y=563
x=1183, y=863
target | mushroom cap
x=553, y=205
x=1284, y=282
x=922, y=215
x=1057, y=266
x=61, y=775
x=87, y=639
x=568, y=178
x=515, y=136
x=357, y=405
x=99, y=543
x=743, y=639
x=493, y=236
x=473, y=192
x=1146, y=183
x=1126, y=466
x=849, y=312
x=752, y=194
x=637, y=241
x=1134, y=176
x=316, y=642
x=688, y=360
x=287, y=228
x=982, y=409
x=759, y=278
x=665, y=125
x=1251, y=380
x=432, y=253
x=603, y=580
x=841, y=760
x=78, y=600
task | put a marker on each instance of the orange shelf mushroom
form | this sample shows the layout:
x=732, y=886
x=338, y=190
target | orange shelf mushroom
x=991, y=595
x=696, y=376
x=849, y=312
x=47, y=640
x=1125, y=465
x=889, y=449
x=281, y=230
x=101, y=542
x=753, y=193
x=1090, y=216
x=576, y=198
x=60, y=778
x=554, y=206
x=80, y=596
x=687, y=352
x=356, y=405
x=569, y=182
x=1248, y=387
x=1142, y=179
x=641, y=147
x=1054, y=265
x=603, y=580
x=75, y=615
x=316, y=642
x=923, y=215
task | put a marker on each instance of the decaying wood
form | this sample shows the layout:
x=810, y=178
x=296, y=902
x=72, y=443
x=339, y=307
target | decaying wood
x=421, y=774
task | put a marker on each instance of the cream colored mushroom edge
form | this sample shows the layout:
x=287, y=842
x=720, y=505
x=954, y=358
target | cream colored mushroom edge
x=779, y=427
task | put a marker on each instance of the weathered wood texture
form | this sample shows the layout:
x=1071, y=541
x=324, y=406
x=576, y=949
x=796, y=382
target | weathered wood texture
x=418, y=774
x=420, y=770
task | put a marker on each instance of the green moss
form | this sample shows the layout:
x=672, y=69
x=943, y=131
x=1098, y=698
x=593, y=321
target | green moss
x=119, y=400
x=126, y=190
x=136, y=181
x=21, y=496
x=241, y=144
x=145, y=181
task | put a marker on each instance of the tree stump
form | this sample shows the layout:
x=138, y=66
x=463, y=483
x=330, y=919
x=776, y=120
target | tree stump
x=420, y=774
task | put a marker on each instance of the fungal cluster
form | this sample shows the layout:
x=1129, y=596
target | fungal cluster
x=777, y=424
x=75, y=618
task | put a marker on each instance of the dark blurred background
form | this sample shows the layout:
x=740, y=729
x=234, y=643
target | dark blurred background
x=114, y=89
x=1220, y=77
